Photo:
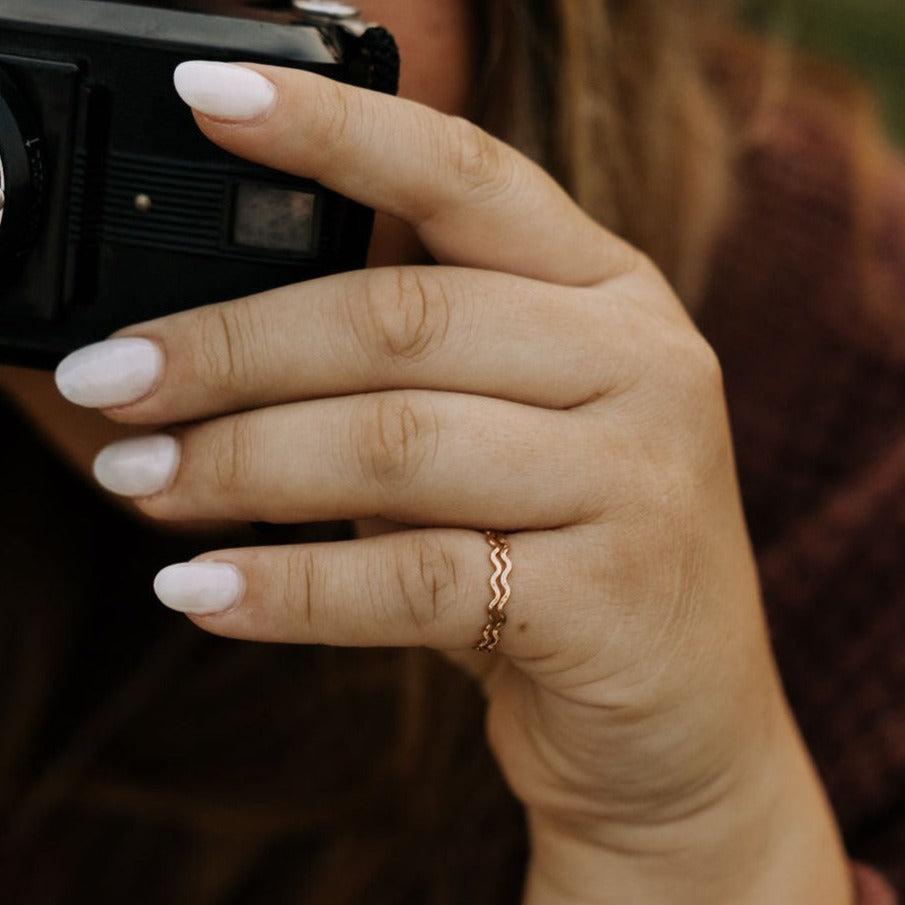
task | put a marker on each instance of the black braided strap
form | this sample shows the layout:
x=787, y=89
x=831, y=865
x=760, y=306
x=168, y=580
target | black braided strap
x=379, y=56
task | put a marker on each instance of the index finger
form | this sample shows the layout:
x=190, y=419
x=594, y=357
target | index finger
x=473, y=200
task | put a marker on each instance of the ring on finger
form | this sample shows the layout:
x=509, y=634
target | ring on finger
x=499, y=585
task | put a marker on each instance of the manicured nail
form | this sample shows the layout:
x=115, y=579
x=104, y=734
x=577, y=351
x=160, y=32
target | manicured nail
x=140, y=466
x=109, y=373
x=199, y=587
x=224, y=90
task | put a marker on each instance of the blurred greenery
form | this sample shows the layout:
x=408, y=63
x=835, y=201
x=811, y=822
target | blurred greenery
x=868, y=34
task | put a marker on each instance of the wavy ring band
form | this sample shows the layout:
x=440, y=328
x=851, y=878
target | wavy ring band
x=499, y=585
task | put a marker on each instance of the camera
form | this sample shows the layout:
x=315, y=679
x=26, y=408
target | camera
x=114, y=208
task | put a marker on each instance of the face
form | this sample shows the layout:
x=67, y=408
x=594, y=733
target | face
x=436, y=41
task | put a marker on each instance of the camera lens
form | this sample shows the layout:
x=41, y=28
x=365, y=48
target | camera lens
x=21, y=173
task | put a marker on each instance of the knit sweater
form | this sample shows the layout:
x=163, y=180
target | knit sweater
x=806, y=310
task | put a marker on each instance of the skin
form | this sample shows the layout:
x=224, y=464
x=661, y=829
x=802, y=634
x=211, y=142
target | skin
x=550, y=385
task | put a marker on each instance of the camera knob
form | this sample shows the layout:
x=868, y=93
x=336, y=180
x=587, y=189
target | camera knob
x=326, y=9
x=21, y=173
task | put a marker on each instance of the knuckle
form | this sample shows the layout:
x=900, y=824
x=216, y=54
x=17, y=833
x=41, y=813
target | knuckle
x=335, y=113
x=227, y=339
x=644, y=262
x=301, y=587
x=707, y=367
x=702, y=384
x=694, y=439
x=639, y=263
x=479, y=161
x=233, y=454
x=695, y=372
x=427, y=580
x=408, y=312
x=397, y=438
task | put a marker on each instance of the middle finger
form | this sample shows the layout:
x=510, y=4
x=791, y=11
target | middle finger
x=416, y=456
x=438, y=328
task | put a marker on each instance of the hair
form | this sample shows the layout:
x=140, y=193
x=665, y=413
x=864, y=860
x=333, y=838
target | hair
x=613, y=99
x=222, y=772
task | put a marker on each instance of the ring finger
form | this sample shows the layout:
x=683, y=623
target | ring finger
x=416, y=456
x=425, y=587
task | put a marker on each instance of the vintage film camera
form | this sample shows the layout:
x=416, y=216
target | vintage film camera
x=114, y=207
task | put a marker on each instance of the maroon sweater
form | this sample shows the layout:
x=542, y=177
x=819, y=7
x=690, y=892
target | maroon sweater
x=806, y=310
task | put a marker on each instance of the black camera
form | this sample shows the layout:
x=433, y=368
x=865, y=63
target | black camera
x=114, y=208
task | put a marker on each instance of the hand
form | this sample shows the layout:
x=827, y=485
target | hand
x=542, y=380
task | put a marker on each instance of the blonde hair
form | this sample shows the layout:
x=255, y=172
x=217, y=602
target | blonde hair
x=612, y=97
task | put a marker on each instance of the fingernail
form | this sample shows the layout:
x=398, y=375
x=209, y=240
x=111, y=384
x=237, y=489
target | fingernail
x=199, y=587
x=141, y=466
x=113, y=372
x=224, y=90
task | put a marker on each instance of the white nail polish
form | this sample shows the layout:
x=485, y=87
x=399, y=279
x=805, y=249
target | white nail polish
x=199, y=587
x=109, y=373
x=140, y=466
x=224, y=90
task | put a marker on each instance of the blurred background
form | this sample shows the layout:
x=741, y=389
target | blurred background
x=867, y=34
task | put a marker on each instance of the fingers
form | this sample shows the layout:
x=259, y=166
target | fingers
x=427, y=587
x=473, y=200
x=417, y=327
x=413, y=456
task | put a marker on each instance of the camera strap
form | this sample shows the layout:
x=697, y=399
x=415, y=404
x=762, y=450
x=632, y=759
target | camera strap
x=377, y=62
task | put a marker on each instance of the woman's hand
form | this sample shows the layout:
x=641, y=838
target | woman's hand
x=542, y=380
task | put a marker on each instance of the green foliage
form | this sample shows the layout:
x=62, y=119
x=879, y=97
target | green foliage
x=868, y=34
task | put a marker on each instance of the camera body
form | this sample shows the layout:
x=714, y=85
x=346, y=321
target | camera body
x=114, y=207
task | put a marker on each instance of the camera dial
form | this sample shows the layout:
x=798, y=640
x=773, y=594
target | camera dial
x=21, y=173
x=328, y=9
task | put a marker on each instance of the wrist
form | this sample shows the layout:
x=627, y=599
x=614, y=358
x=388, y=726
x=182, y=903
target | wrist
x=771, y=839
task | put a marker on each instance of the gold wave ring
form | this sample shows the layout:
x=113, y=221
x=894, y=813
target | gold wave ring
x=499, y=586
